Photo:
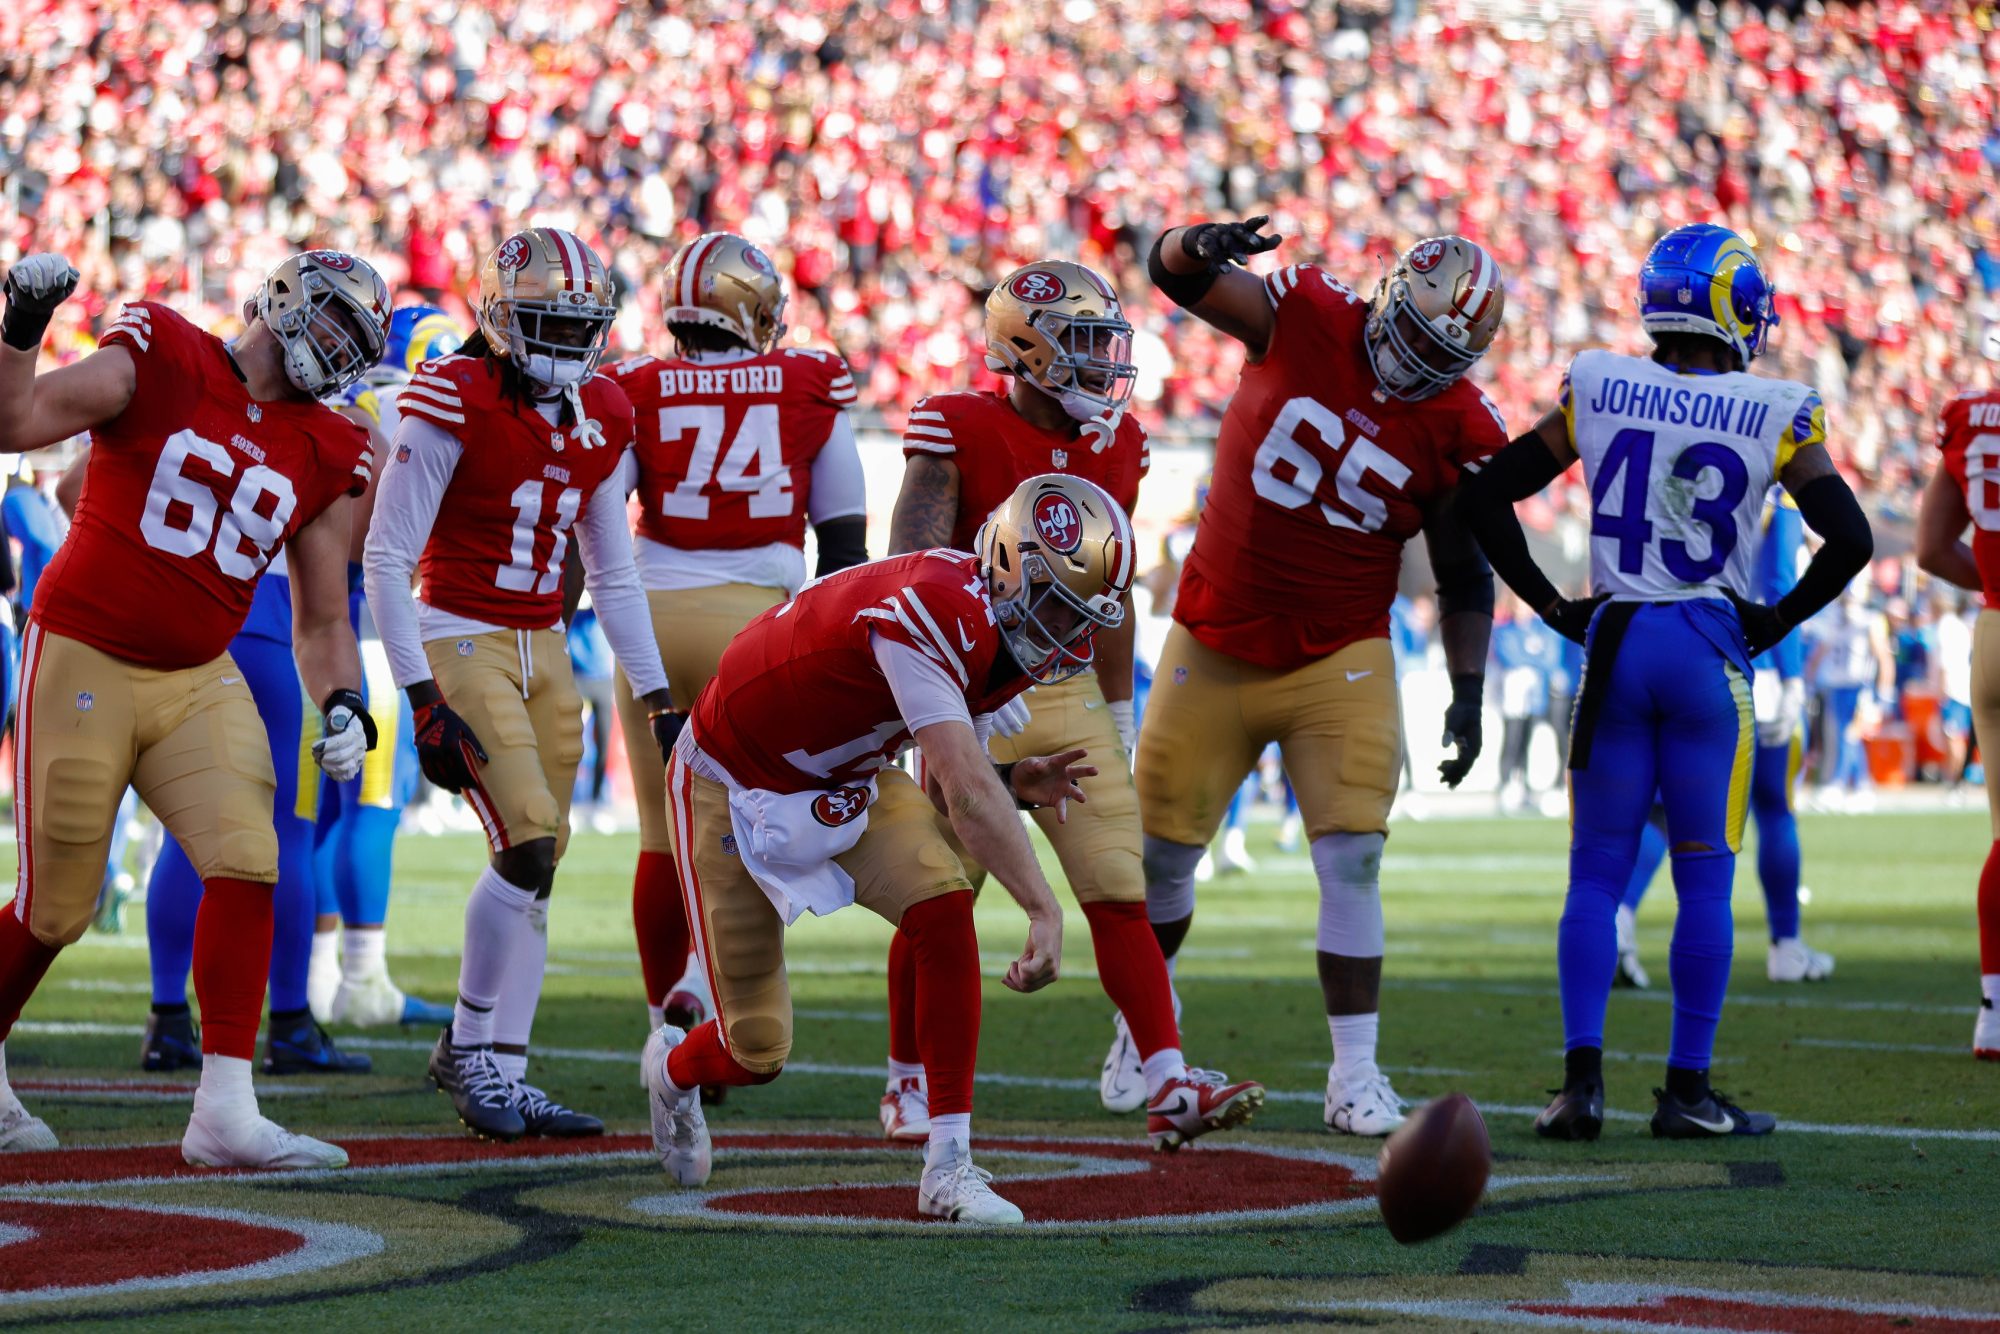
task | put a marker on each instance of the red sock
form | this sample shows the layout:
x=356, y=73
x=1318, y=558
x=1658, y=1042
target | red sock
x=659, y=918
x=945, y=958
x=903, y=1001
x=232, y=959
x=1989, y=912
x=702, y=1059
x=1134, y=973
x=23, y=961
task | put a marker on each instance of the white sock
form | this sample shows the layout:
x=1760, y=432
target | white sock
x=364, y=954
x=8, y=1102
x=901, y=1070
x=323, y=974
x=514, y=1014
x=951, y=1137
x=1162, y=1065
x=656, y=1015
x=512, y=1064
x=1353, y=1045
x=225, y=1092
x=1989, y=987
x=496, y=917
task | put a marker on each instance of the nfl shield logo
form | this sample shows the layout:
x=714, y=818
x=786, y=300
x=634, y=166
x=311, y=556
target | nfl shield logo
x=256, y=413
x=84, y=702
x=1180, y=676
x=729, y=845
x=1060, y=458
x=465, y=648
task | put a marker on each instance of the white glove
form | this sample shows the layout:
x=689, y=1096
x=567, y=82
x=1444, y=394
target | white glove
x=1779, y=729
x=35, y=286
x=1011, y=718
x=347, y=741
x=1128, y=729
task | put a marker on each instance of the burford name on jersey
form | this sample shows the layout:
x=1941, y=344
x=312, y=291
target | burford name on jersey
x=676, y=381
x=1682, y=407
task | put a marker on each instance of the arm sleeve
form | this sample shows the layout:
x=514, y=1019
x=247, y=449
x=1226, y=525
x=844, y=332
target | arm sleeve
x=839, y=488
x=925, y=693
x=406, y=506
x=606, y=545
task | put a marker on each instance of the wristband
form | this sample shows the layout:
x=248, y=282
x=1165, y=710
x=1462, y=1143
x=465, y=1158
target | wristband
x=351, y=701
x=1468, y=688
x=1183, y=289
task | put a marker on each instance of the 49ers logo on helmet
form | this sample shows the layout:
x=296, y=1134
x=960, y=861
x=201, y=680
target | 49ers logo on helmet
x=757, y=259
x=514, y=254
x=1040, y=288
x=331, y=259
x=1424, y=256
x=1058, y=524
x=840, y=806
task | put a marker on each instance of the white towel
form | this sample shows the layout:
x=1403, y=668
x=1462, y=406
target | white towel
x=788, y=840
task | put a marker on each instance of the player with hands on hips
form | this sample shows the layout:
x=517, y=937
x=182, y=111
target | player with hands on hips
x=1347, y=437
x=206, y=459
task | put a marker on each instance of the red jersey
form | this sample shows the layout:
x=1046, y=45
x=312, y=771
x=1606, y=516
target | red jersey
x=996, y=449
x=188, y=494
x=1318, y=484
x=798, y=700
x=1969, y=438
x=496, y=548
x=725, y=451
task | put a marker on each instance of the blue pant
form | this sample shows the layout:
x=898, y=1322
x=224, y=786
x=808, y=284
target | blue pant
x=1670, y=715
x=1850, y=757
x=358, y=819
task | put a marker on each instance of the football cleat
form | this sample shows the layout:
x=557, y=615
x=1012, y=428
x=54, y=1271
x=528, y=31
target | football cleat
x=376, y=1002
x=302, y=1047
x=1792, y=960
x=1199, y=1101
x=1576, y=1114
x=1121, y=1085
x=21, y=1131
x=544, y=1116
x=1369, y=1108
x=1712, y=1117
x=1986, y=1033
x=958, y=1190
x=906, y=1110
x=419, y=1013
x=680, y=1131
x=482, y=1096
x=255, y=1142
x=170, y=1043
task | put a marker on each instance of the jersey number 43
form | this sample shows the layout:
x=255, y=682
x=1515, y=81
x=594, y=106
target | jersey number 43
x=1630, y=457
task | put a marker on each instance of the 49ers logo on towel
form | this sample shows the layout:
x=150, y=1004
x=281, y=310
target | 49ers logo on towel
x=1058, y=524
x=1040, y=288
x=841, y=806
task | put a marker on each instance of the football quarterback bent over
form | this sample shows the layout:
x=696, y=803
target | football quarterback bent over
x=205, y=459
x=782, y=801
x=1346, y=438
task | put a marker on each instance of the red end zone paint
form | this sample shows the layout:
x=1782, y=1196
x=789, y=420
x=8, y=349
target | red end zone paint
x=107, y=1244
x=1682, y=1311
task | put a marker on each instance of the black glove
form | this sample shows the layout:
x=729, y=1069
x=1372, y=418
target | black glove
x=1763, y=626
x=1570, y=617
x=35, y=286
x=1219, y=243
x=1461, y=726
x=666, y=725
x=447, y=751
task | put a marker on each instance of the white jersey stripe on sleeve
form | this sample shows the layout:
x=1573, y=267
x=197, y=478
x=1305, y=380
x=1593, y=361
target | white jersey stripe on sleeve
x=921, y=415
x=930, y=446
x=957, y=664
x=426, y=400
x=928, y=432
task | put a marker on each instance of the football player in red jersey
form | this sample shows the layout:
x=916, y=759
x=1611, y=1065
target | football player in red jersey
x=1058, y=330
x=204, y=460
x=739, y=446
x=500, y=450
x=782, y=801
x=1345, y=439
x=1965, y=492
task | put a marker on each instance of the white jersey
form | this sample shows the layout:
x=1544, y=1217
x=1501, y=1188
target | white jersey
x=1678, y=464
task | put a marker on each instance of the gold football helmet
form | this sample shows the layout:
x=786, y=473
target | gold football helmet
x=546, y=304
x=722, y=281
x=330, y=313
x=1433, y=316
x=1059, y=326
x=1057, y=557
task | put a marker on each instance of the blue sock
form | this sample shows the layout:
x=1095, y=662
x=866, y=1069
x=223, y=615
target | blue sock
x=1777, y=838
x=1652, y=851
x=173, y=897
x=294, y=905
x=1698, y=960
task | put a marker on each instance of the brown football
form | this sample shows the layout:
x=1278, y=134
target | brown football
x=1433, y=1170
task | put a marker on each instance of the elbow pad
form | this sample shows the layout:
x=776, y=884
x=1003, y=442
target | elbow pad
x=1183, y=289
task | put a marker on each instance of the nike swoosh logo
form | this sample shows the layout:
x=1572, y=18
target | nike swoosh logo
x=1356, y=676
x=232, y=680
x=1726, y=1125
x=1093, y=704
x=963, y=641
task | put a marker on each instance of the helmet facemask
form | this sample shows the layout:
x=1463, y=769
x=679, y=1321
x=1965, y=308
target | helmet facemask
x=329, y=341
x=1412, y=357
x=558, y=342
x=1092, y=373
x=1047, y=628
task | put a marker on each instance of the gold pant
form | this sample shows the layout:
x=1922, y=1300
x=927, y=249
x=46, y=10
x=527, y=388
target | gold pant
x=529, y=722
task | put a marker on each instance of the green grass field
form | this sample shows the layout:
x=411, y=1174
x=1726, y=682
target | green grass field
x=1872, y=1208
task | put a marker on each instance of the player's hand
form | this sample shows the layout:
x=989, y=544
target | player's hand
x=349, y=736
x=1779, y=730
x=1570, y=617
x=1041, y=960
x=1053, y=780
x=1011, y=718
x=1462, y=726
x=35, y=286
x=1219, y=243
x=1762, y=625
x=447, y=751
x=666, y=725
x=1127, y=725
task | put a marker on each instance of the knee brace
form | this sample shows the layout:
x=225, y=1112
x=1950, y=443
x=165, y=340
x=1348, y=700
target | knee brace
x=1169, y=879
x=1349, y=867
x=530, y=865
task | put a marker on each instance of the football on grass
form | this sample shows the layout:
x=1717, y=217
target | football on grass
x=1433, y=1170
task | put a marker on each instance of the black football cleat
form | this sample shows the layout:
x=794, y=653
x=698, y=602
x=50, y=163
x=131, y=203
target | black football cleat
x=1711, y=1118
x=482, y=1096
x=1576, y=1114
x=299, y=1046
x=170, y=1043
x=544, y=1116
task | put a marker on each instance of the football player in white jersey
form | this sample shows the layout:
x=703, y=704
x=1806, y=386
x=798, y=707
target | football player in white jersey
x=1678, y=450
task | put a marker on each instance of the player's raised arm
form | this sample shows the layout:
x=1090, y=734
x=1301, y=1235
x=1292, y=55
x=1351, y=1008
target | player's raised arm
x=37, y=411
x=1942, y=518
x=1485, y=501
x=1197, y=267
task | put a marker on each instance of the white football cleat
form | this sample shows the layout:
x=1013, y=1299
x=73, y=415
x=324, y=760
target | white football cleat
x=1792, y=960
x=367, y=1002
x=1121, y=1085
x=957, y=1190
x=680, y=1131
x=1985, y=1040
x=906, y=1110
x=256, y=1142
x=1194, y=1104
x=21, y=1131
x=1368, y=1108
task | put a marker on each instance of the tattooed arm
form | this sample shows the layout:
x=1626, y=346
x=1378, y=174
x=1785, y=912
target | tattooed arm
x=926, y=507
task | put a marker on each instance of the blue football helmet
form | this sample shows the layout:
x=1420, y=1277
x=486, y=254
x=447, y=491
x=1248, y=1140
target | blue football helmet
x=418, y=333
x=1704, y=279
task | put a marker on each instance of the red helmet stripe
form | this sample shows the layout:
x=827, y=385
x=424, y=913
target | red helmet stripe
x=560, y=240
x=691, y=267
x=1480, y=283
